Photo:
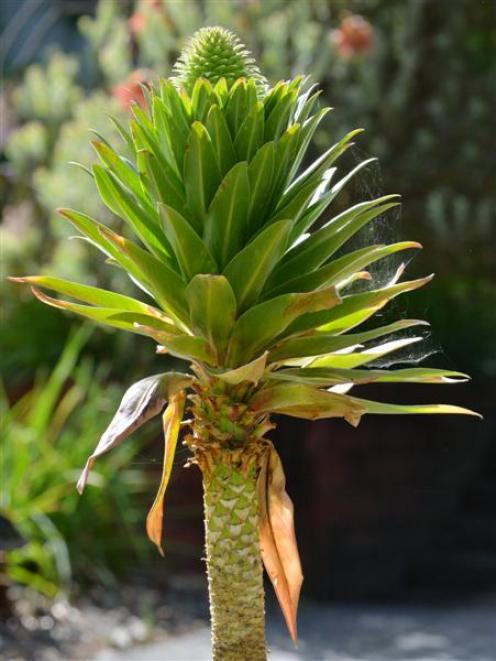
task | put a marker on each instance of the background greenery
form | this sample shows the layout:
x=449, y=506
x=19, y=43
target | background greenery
x=416, y=74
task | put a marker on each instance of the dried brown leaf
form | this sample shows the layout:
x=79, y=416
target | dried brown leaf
x=142, y=401
x=278, y=540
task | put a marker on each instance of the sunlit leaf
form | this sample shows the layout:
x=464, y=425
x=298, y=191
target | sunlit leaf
x=252, y=371
x=324, y=343
x=358, y=358
x=124, y=172
x=303, y=401
x=323, y=243
x=242, y=98
x=167, y=286
x=191, y=252
x=261, y=175
x=113, y=317
x=400, y=409
x=307, y=132
x=249, y=269
x=255, y=329
x=250, y=135
x=323, y=377
x=201, y=174
x=166, y=185
x=144, y=223
x=92, y=295
x=220, y=135
x=225, y=223
x=339, y=270
x=354, y=310
x=188, y=347
x=212, y=307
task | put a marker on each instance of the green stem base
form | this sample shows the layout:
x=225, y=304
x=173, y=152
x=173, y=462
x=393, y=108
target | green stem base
x=235, y=573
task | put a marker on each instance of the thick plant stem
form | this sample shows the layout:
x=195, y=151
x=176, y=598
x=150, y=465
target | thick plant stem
x=235, y=573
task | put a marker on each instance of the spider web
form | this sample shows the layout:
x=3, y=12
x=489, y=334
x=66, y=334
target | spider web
x=385, y=229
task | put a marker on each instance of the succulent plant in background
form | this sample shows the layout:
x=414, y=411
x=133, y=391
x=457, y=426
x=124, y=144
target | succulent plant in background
x=252, y=293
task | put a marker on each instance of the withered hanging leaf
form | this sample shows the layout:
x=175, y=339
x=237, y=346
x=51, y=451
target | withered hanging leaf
x=172, y=419
x=142, y=401
x=278, y=540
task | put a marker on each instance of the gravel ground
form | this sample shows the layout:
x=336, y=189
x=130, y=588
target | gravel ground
x=458, y=632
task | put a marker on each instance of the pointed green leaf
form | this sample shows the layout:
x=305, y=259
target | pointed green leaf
x=322, y=244
x=357, y=358
x=225, y=224
x=113, y=317
x=302, y=401
x=252, y=371
x=191, y=252
x=322, y=199
x=255, y=328
x=278, y=118
x=166, y=186
x=166, y=285
x=250, y=136
x=242, y=98
x=356, y=308
x=220, y=135
x=122, y=203
x=324, y=377
x=274, y=96
x=316, y=170
x=93, y=295
x=400, y=409
x=143, y=118
x=261, y=175
x=212, y=307
x=286, y=148
x=296, y=206
x=340, y=269
x=202, y=97
x=248, y=271
x=188, y=347
x=124, y=172
x=306, y=134
x=92, y=230
x=222, y=91
x=146, y=138
x=306, y=103
x=126, y=137
x=201, y=174
x=174, y=103
x=171, y=138
x=324, y=343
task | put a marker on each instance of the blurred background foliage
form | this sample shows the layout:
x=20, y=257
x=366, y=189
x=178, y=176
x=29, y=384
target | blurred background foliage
x=416, y=74
x=50, y=532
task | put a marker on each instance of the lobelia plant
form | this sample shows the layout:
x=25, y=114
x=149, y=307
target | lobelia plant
x=251, y=294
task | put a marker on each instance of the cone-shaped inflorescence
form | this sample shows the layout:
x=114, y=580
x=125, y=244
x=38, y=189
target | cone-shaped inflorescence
x=254, y=290
x=214, y=53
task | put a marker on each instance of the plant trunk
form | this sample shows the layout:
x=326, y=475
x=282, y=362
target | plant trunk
x=235, y=573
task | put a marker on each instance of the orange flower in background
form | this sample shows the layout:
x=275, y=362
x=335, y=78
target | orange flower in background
x=137, y=20
x=131, y=89
x=354, y=36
